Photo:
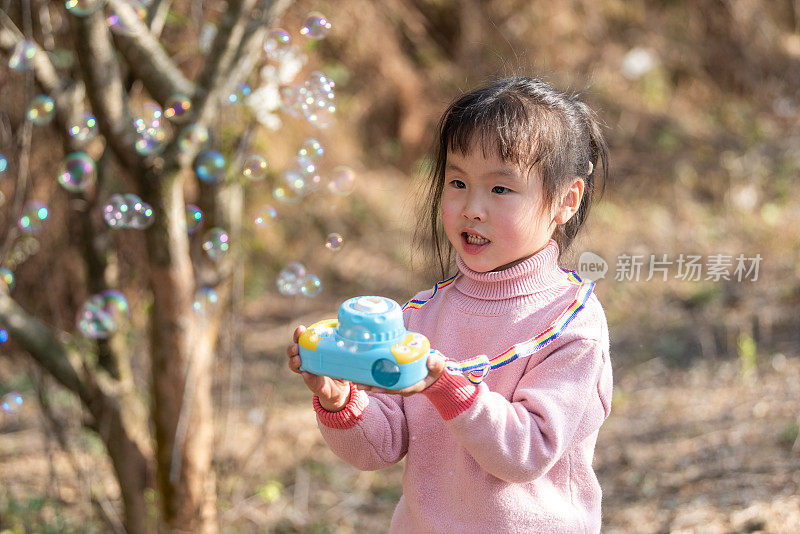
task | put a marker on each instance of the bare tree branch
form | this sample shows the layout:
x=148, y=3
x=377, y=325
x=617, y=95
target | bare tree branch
x=37, y=338
x=147, y=58
x=105, y=89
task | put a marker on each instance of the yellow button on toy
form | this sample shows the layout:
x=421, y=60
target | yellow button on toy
x=412, y=348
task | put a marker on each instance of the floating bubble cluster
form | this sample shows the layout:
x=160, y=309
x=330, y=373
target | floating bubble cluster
x=277, y=44
x=265, y=217
x=334, y=242
x=127, y=211
x=78, y=171
x=178, y=108
x=209, y=166
x=82, y=8
x=316, y=26
x=193, y=138
x=255, y=167
x=41, y=110
x=11, y=403
x=194, y=218
x=216, y=244
x=290, y=187
x=7, y=282
x=314, y=100
x=205, y=300
x=239, y=94
x=151, y=141
x=84, y=128
x=311, y=148
x=294, y=279
x=148, y=117
x=34, y=214
x=21, y=58
x=103, y=314
x=152, y=134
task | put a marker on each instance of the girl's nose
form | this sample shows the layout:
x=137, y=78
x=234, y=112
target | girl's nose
x=473, y=210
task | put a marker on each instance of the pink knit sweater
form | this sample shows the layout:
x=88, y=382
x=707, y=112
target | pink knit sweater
x=514, y=453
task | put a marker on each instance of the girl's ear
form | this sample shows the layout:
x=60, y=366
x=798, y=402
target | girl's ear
x=570, y=202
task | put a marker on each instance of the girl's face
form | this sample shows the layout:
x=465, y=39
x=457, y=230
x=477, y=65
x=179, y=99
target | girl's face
x=492, y=211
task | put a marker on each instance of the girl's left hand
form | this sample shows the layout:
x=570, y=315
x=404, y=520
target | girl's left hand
x=436, y=365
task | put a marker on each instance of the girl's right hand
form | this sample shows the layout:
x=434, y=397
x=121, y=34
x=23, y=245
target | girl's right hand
x=333, y=393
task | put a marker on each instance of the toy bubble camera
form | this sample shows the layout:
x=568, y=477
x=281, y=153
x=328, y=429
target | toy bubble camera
x=367, y=344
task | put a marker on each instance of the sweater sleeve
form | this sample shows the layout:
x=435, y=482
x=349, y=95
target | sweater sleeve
x=369, y=433
x=557, y=402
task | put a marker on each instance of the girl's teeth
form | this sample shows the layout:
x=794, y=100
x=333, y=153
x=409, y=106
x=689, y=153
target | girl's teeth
x=476, y=240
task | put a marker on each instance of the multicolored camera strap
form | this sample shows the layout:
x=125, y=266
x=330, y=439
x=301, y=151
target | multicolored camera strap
x=478, y=367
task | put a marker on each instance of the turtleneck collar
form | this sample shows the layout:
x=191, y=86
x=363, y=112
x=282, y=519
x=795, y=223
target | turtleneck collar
x=535, y=274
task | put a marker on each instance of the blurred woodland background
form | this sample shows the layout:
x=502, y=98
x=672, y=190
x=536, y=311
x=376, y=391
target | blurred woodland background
x=702, y=105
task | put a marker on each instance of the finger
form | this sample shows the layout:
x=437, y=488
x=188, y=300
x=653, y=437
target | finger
x=436, y=363
x=294, y=364
x=293, y=350
x=298, y=332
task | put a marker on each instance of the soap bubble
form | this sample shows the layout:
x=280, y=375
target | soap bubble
x=277, y=44
x=148, y=117
x=3, y=165
x=316, y=26
x=255, y=167
x=78, y=171
x=84, y=128
x=33, y=217
x=7, y=282
x=193, y=138
x=265, y=216
x=127, y=211
x=151, y=141
x=142, y=216
x=310, y=286
x=178, y=108
x=21, y=57
x=117, y=25
x=209, y=166
x=320, y=84
x=41, y=110
x=115, y=305
x=3, y=336
x=82, y=8
x=216, y=243
x=102, y=314
x=11, y=403
x=116, y=211
x=240, y=93
x=311, y=149
x=205, y=300
x=334, y=242
x=320, y=113
x=291, y=278
x=194, y=218
x=291, y=187
x=342, y=180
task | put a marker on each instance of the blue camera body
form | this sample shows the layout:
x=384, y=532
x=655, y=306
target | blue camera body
x=367, y=344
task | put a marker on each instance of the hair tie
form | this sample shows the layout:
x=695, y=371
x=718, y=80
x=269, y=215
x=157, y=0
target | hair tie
x=591, y=168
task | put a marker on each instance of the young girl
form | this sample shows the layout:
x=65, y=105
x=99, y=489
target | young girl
x=507, y=447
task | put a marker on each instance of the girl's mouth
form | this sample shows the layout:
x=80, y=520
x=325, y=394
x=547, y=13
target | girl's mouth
x=473, y=244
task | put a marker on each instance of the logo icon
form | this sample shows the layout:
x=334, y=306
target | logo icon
x=591, y=266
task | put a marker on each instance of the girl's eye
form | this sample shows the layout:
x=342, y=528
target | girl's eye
x=500, y=190
x=458, y=184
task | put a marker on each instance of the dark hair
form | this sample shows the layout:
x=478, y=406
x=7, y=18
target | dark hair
x=530, y=124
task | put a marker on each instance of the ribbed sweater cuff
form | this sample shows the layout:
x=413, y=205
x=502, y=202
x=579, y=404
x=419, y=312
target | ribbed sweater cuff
x=348, y=416
x=451, y=394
